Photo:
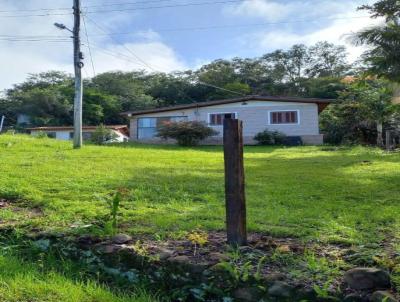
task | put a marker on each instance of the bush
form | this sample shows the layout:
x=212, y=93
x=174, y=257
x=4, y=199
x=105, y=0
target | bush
x=102, y=135
x=185, y=133
x=39, y=134
x=268, y=137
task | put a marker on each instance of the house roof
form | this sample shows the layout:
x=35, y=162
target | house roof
x=322, y=103
x=71, y=128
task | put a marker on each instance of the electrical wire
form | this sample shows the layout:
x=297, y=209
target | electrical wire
x=103, y=29
x=200, y=28
x=155, y=70
x=165, y=6
x=88, y=45
x=37, y=15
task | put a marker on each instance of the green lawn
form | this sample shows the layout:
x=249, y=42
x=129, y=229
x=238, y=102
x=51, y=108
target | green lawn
x=25, y=282
x=314, y=193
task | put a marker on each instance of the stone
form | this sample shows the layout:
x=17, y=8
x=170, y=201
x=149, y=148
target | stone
x=184, y=262
x=306, y=294
x=353, y=298
x=110, y=249
x=245, y=249
x=382, y=296
x=272, y=277
x=217, y=257
x=164, y=254
x=248, y=294
x=121, y=239
x=280, y=289
x=367, y=278
x=182, y=259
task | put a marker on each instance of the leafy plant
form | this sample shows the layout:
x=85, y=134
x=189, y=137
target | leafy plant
x=237, y=272
x=323, y=292
x=41, y=134
x=260, y=263
x=185, y=133
x=114, y=203
x=198, y=238
x=268, y=137
x=102, y=135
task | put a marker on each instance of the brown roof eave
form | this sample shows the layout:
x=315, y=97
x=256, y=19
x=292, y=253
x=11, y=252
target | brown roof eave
x=322, y=103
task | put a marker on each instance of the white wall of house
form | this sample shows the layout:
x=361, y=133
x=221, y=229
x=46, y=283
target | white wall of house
x=67, y=135
x=255, y=116
x=63, y=135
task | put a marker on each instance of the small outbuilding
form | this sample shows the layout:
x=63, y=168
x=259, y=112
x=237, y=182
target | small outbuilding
x=67, y=132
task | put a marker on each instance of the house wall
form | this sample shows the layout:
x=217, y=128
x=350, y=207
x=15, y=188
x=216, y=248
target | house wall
x=63, y=135
x=254, y=115
x=66, y=135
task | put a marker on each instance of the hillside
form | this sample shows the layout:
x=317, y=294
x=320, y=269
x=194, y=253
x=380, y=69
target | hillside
x=313, y=212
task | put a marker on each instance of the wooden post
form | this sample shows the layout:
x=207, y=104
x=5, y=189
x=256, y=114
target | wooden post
x=234, y=183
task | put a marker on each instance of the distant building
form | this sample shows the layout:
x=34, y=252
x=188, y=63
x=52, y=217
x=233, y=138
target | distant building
x=293, y=116
x=67, y=132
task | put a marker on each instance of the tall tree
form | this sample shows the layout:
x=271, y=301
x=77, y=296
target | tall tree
x=383, y=56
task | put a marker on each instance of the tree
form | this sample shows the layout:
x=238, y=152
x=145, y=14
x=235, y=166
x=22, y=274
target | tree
x=45, y=106
x=363, y=109
x=327, y=60
x=383, y=56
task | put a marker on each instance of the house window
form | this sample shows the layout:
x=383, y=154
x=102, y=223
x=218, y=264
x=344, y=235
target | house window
x=284, y=117
x=51, y=134
x=217, y=119
x=147, y=126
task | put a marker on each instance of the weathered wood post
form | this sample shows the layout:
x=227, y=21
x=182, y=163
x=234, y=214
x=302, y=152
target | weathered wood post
x=234, y=183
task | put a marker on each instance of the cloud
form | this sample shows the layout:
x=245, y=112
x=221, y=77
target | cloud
x=277, y=11
x=337, y=27
x=150, y=56
x=18, y=59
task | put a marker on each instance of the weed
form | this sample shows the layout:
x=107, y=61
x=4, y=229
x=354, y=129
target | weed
x=198, y=239
x=114, y=202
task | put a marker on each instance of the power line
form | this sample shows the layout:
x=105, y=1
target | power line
x=123, y=45
x=198, y=27
x=34, y=10
x=37, y=15
x=165, y=6
x=240, y=25
x=153, y=69
x=110, y=10
x=88, y=45
x=34, y=40
x=117, y=55
x=127, y=3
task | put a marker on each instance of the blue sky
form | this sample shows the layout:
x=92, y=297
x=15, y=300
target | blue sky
x=166, y=38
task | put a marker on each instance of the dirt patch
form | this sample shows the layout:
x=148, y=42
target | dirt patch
x=19, y=209
x=4, y=203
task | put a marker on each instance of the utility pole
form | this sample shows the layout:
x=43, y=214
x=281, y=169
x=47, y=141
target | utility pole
x=78, y=64
x=2, y=123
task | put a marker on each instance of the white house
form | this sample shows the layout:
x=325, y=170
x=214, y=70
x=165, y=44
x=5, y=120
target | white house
x=292, y=116
x=67, y=132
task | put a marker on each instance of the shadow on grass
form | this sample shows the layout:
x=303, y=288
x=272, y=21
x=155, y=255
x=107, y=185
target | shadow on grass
x=313, y=197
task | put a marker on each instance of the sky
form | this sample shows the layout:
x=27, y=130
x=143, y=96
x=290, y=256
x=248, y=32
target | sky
x=166, y=35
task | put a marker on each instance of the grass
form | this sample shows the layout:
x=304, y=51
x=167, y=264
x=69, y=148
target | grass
x=314, y=193
x=24, y=282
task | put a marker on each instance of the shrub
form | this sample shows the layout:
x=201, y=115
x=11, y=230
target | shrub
x=39, y=134
x=102, y=135
x=268, y=137
x=185, y=133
